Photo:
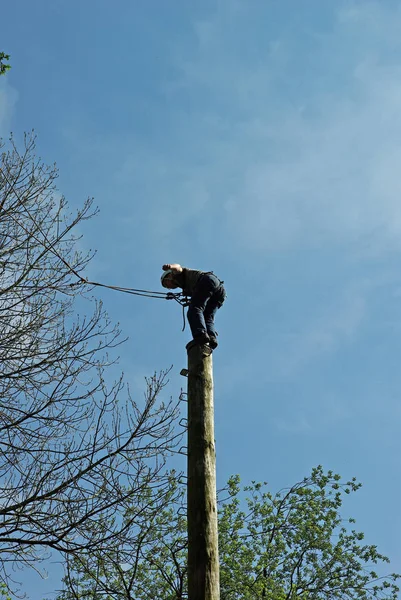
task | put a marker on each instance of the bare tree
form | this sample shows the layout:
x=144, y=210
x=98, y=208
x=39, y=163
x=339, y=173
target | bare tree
x=75, y=452
x=150, y=563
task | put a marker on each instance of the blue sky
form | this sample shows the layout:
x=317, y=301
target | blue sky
x=260, y=139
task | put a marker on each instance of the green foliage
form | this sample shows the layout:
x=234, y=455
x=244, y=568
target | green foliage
x=4, y=67
x=295, y=544
x=4, y=592
x=285, y=546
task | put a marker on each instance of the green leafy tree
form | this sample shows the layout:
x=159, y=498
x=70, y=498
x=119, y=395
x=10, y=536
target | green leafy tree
x=4, y=592
x=4, y=66
x=285, y=546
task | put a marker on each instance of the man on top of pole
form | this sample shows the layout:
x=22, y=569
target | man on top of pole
x=206, y=293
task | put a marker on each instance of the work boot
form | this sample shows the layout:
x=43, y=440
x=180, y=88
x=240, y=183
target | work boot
x=213, y=343
x=202, y=338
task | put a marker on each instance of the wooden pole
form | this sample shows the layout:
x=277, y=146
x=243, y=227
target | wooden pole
x=203, y=554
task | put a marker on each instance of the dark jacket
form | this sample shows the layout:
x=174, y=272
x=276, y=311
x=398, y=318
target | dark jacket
x=188, y=279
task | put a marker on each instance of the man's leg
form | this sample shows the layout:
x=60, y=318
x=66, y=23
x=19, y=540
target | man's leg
x=203, y=292
x=214, y=303
x=209, y=313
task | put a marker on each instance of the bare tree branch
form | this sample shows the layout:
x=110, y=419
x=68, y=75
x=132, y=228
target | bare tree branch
x=75, y=451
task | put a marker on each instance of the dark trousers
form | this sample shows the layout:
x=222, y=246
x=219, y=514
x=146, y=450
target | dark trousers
x=208, y=296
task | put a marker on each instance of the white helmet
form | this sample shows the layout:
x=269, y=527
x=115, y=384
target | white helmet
x=165, y=275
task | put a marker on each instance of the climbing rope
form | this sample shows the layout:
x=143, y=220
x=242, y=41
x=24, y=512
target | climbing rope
x=178, y=296
x=48, y=245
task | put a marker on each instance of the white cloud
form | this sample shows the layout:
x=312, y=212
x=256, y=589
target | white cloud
x=298, y=424
x=265, y=164
x=335, y=327
x=288, y=352
x=343, y=182
x=315, y=416
x=324, y=167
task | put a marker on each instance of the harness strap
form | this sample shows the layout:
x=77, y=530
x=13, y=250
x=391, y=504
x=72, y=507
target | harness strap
x=214, y=274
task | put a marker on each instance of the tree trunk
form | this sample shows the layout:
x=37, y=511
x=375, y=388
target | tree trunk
x=203, y=556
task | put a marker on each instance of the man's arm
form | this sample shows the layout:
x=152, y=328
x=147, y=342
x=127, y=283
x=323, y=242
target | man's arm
x=174, y=267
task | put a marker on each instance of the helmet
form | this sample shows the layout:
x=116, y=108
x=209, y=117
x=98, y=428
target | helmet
x=166, y=275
